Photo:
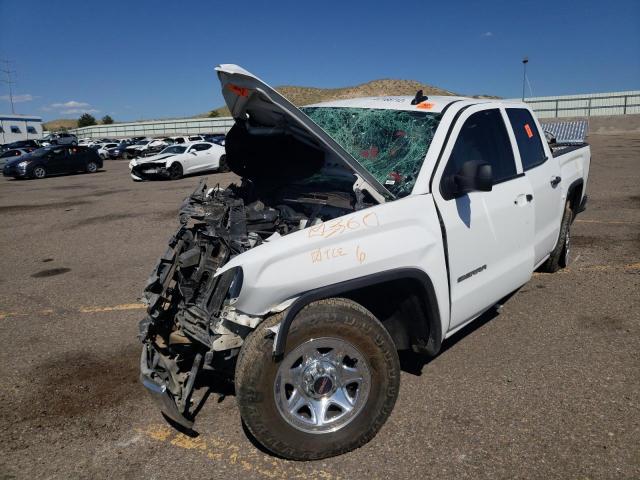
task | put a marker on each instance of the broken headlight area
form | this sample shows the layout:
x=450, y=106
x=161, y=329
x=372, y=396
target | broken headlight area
x=192, y=325
x=150, y=170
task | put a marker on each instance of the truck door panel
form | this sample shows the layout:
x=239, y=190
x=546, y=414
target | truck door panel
x=543, y=172
x=489, y=234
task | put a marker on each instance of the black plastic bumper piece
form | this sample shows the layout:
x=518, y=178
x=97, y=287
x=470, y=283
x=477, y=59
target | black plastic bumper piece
x=161, y=395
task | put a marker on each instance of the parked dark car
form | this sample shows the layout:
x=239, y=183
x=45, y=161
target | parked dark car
x=118, y=151
x=8, y=155
x=21, y=144
x=53, y=160
x=215, y=138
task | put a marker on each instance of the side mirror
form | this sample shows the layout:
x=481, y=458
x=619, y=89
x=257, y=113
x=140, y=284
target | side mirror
x=473, y=176
x=193, y=152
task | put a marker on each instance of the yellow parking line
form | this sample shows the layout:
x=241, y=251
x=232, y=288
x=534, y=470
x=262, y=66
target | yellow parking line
x=124, y=306
x=49, y=311
x=249, y=459
x=607, y=222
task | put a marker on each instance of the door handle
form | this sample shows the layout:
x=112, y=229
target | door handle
x=555, y=181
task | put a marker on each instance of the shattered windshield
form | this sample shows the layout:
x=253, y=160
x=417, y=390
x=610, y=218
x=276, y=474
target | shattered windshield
x=390, y=144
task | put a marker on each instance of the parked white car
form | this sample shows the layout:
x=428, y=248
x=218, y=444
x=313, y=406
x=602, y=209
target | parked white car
x=361, y=227
x=177, y=160
x=103, y=149
x=187, y=139
x=136, y=149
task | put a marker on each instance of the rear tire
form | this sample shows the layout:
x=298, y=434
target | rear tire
x=222, y=164
x=92, y=167
x=39, y=172
x=175, y=171
x=561, y=255
x=364, y=381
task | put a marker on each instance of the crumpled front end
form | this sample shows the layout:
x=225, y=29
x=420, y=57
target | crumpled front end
x=192, y=323
x=150, y=171
x=186, y=329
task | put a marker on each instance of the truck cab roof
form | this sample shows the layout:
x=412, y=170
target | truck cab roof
x=434, y=104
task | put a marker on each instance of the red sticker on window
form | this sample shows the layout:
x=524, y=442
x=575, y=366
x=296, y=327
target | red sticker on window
x=527, y=129
x=240, y=91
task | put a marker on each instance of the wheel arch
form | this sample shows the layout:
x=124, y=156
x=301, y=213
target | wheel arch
x=574, y=194
x=409, y=307
x=172, y=161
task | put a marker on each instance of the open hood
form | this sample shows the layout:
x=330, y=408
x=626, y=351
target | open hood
x=248, y=96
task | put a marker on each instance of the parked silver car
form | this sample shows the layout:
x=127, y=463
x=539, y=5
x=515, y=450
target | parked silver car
x=60, y=139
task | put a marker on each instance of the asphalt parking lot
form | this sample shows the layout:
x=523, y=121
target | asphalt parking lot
x=549, y=388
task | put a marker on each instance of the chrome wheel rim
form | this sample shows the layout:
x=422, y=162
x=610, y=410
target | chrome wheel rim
x=39, y=172
x=92, y=167
x=322, y=385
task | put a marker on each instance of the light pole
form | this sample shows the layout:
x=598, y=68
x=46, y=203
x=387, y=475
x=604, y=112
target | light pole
x=525, y=60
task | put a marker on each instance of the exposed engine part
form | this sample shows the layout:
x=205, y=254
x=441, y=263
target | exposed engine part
x=191, y=323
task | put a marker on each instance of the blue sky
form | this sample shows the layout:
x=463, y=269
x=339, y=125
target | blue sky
x=147, y=59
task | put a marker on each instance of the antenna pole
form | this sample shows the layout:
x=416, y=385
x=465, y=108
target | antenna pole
x=8, y=72
x=525, y=60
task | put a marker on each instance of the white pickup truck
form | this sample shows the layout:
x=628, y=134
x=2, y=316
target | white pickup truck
x=361, y=227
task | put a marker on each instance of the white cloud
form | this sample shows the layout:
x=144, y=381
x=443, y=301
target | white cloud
x=71, y=104
x=72, y=107
x=25, y=97
x=487, y=34
x=71, y=111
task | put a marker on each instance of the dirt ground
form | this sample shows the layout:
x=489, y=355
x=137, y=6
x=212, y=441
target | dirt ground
x=549, y=388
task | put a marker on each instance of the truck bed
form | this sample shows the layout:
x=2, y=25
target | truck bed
x=558, y=149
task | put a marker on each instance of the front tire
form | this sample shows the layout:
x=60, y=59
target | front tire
x=39, y=172
x=175, y=171
x=222, y=164
x=561, y=255
x=333, y=389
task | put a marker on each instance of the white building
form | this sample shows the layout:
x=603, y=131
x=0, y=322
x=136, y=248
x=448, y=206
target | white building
x=19, y=127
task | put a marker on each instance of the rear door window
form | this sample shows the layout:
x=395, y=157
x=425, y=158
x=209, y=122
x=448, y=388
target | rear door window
x=528, y=138
x=201, y=147
x=484, y=138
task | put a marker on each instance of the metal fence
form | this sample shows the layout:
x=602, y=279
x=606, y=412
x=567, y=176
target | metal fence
x=595, y=104
x=158, y=128
x=590, y=105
